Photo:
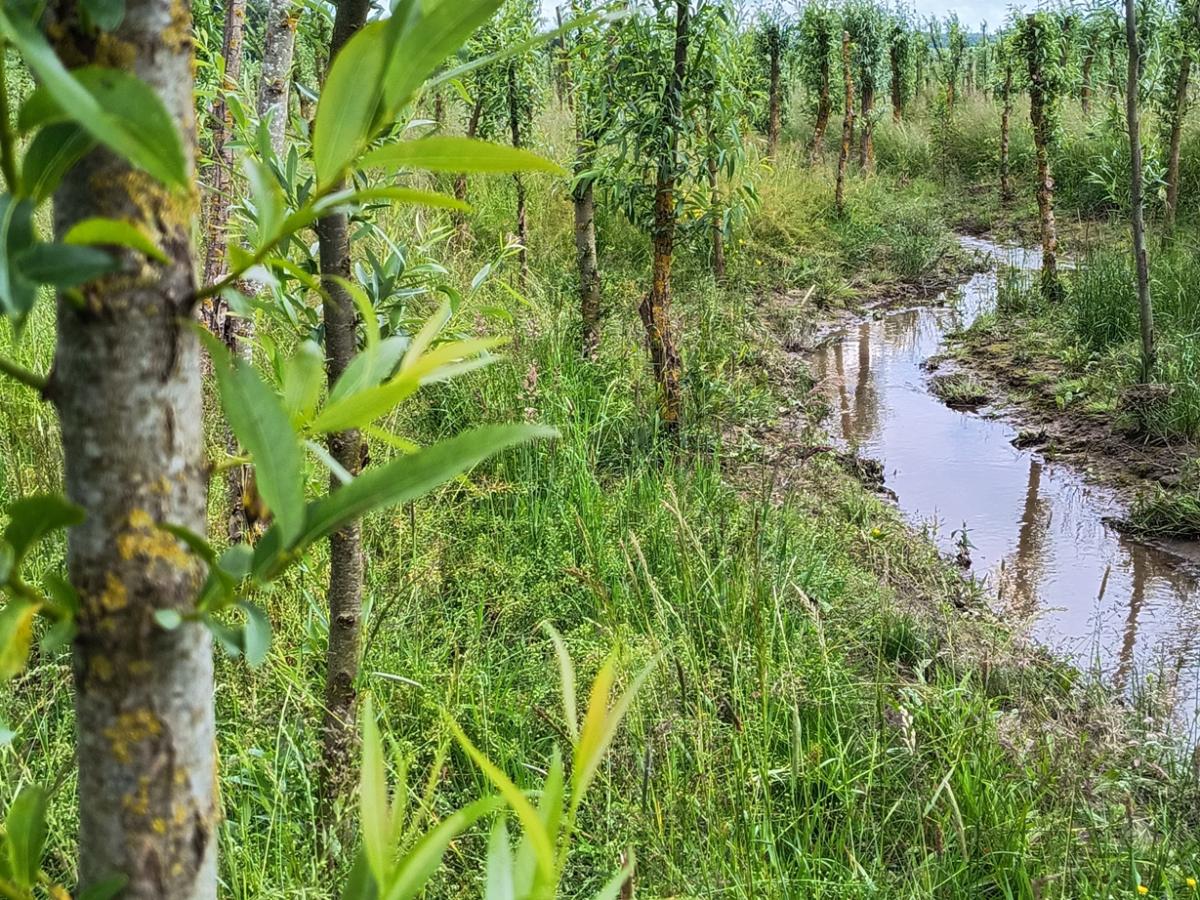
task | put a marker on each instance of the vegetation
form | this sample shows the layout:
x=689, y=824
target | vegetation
x=410, y=473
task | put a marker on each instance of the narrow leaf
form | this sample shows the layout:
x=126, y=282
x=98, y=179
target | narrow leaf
x=116, y=233
x=457, y=154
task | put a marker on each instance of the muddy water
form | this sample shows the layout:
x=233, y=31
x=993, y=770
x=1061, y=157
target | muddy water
x=1040, y=548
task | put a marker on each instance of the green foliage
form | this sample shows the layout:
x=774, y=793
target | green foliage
x=818, y=43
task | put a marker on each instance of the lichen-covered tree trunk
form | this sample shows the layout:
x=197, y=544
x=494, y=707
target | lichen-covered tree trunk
x=1178, y=113
x=1006, y=192
x=584, y=204
x=655, y=308
x=344, y=596
x=816, y=148
x=1137, y=215
x=126, y=385
x=221, y=174
x=462, y=228
x=847, y=127
x=514, y=126
x=866, y=135
x=1042, y=137
x=279, y=42
x=775, y=98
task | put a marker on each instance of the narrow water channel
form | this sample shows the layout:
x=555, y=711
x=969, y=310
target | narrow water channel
x=1039, y=545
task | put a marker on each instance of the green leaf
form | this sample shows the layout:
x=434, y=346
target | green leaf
x=613, y=887
x=457, y=154
x=395, y=194
x=105, y=14
x=349, y=101
x=17, y=292
x=31, y=519
x=375, y=815
x=57, y=636
x=108, y=889
x=600, y=726
x=360, y=883
x=115, y=233
x=499, y=879
x=399, y=481
x=51, y=154
x=65, y=265
x=168, y=619
x=419, y=864
x=369, y=369
x=532, y=824
x=427, y=36
x=303, y=373
x=115, y=107
x=256, y=634
x=16, y=636
x=566, y=672
x=26, y=835
x=260, y=422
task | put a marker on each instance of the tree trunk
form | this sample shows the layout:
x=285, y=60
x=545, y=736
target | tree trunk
x=816, y=149
x=514, y=126
x=221, y=175
x=462, y=228
x=1085, y=90
x=589, y=270
x=1042, y=127
x=1006, y=192
x=345, y=546
x=897, y=85
x=1178, y=112
x=279, y=42
x=126, y=385
x=775, y=100
x=1137, y=212
x=655, y=309
x=847, y=127
x=866, y=139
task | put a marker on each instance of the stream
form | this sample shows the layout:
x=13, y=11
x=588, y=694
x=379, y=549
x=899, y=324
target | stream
x=1046, y=560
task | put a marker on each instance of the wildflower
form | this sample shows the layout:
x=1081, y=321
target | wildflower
x=1191, y=882
x=1142, y=890
x=758, y=262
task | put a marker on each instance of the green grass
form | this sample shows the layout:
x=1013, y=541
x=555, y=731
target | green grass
x=824, y=721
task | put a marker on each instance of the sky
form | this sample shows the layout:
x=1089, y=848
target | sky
x=971, y=12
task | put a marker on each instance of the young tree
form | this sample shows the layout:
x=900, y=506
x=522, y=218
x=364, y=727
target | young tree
x=1006, y=92
x=116, y=148
x=865, y=22
x=950, y=58
x=770, y=43
x=847, y=126
x=1137, y=211
x=1037, y=39
x=901, y=43
x=1180, y=41
x=818, y=30
x=221, y=173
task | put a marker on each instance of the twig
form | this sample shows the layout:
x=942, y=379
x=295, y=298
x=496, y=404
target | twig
x=25, y=376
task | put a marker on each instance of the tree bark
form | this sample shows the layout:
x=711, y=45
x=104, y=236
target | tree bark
x=718, y=220
x=775, y=100
x=1006, y=191
x=345, y=546
x=816, y=149
x=1085, y=89
x=1178, y=112
x=221, y=175
x=279, y=42
x=655, y=309
x=847, y=127
x=1137, y=212
x=897, y=84
x=1042, y=137
x=514, y=126
x=866, y=137
x=126, y=385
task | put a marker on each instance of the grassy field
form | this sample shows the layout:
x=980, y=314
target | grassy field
x=834, y=713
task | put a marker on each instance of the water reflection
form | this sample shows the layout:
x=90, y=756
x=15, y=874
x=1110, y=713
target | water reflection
x=1039, y=543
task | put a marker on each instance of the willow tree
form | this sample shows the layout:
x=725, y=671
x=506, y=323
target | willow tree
x=771, y=38
x=819, y=29
x=867, y=26
x=1037, y=40
x=1006, y=90
x=901, y=52
x=847, y=125
x=113, y=142
x=275, y=79
x=1137, y=213
x=951, y=57
x=1179, y=44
